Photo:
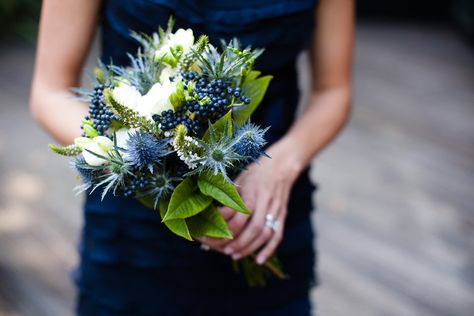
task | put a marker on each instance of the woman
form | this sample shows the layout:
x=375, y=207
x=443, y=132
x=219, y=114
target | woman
x=130, y=264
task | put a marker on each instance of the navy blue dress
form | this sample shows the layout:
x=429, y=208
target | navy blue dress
x=130, y=264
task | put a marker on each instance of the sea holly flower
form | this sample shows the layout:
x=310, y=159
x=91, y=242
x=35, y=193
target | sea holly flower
x=249, y=141
x=218, y=154
x=88, y=174
x=160, y=184
x=144, y=150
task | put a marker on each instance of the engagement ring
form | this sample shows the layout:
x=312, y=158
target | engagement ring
x=271, y=222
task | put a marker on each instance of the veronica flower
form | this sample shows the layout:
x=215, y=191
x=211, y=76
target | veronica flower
x=249, y=141
x=144, y=150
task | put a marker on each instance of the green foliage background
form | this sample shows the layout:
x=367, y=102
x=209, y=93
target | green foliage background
x=19, y=19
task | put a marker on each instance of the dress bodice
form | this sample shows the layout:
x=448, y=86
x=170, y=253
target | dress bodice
x=282, y=27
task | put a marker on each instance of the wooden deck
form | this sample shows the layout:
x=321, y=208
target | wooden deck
x=395, y=207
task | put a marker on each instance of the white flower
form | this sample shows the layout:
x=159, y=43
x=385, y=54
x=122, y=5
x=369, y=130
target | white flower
x=99, y=145
x=167, y=73
x=81, y=141
x=121, y=137
x=182, y=38
x=126, y=95
x=157, y=99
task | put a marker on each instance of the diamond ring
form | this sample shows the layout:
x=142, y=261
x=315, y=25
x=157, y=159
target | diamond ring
x=271, y=222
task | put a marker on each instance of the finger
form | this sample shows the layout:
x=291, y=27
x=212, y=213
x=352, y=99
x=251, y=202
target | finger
x=252, y=230
x=235, y=225
x=212, y=243
x=226, y=213
x=271, y=246
x=263, y=238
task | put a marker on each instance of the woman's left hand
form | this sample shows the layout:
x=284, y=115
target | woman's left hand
x=265, y=188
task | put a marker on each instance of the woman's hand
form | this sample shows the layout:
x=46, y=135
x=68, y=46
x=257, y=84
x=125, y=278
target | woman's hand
x=265, y=188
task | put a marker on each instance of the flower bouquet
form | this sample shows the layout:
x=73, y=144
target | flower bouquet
x=172, y=130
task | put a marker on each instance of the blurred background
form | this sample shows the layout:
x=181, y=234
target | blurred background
x=395, y=207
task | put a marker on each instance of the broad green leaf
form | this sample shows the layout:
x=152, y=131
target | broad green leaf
x=221, y=190
x=253, y=75
x=186, y=201
x=177, y=226
x=254, y=89
x=209, y=223
x=220, y=125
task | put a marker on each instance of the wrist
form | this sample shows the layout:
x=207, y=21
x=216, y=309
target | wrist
x=289, y=157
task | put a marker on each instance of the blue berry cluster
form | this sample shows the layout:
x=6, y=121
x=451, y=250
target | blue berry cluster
x=170, y=119
x=219, y=94
x=138, y=183
x=98, y=112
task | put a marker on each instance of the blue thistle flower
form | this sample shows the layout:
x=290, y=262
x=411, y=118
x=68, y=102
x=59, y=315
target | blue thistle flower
x=218, y=155
x=144, y=150
x=249, y=141
x=160, y=184
x=88, y=174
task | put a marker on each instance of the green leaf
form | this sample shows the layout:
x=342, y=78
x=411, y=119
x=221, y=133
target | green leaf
x=90, y=131
x=221, y=190
x=209, y=223
x=220, y=126
x=254, y=89
x=253, y=75
x=100, y=76
x=186, y=201
x=177, y=226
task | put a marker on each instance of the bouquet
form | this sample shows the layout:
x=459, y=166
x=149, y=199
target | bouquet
x=172, y=130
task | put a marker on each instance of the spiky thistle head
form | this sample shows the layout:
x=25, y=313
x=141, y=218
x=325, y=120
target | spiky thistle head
x=218, y=154
x=144, y=150
x=249, y=141
x=88, y=174
x=114, y=175
x=161, y=184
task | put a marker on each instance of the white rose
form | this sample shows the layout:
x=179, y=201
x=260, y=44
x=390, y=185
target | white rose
x=157, y=99
x=126, y=95
x=99, y=145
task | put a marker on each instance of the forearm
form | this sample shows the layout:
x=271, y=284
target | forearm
x=58, y=113
x=65, y=35
x=316, y=127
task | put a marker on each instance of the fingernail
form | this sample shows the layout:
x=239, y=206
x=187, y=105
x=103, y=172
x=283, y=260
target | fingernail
x=260, y=260
x=236, y=256
x=228, y=251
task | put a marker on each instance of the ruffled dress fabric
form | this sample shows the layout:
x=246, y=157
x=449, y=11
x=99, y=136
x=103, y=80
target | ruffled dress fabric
x=130, y=264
